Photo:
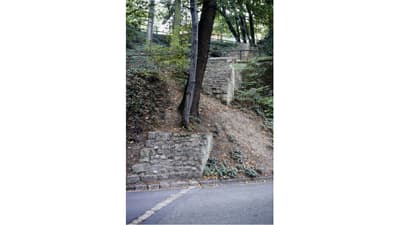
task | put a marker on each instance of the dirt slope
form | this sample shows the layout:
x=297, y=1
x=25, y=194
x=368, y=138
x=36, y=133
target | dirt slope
x=232, y=128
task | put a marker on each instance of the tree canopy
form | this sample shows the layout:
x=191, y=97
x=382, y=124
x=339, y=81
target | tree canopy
x=243, y=21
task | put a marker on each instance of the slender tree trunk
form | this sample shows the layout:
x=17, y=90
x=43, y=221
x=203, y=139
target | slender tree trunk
x=237, y=26
x=229, y=23
x=247, y=30
x=205, y=29
x=251, y=24
x=242, y=25
x=150, y=22
x=193, y=62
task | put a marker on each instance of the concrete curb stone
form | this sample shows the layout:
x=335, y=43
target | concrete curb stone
x=140, y=187
x=164, y=185
x=153, y=186
x=179, y=184
x=174, y=184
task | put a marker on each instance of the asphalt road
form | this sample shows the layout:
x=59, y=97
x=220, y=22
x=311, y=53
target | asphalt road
x=226, y=204
x=138, y=202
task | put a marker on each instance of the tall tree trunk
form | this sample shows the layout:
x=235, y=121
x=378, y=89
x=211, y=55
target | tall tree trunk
x=150, y=22
x=247, y=29
x=193, y=62
x=237, y=26
x=242, y=25
x=251, y=24
x=205, y=29
x=229, y=23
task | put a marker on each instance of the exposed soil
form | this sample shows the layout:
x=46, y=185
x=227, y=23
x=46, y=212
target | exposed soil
x=232, y=128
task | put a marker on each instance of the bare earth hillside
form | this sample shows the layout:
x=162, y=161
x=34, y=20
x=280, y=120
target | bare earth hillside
x=233, y=129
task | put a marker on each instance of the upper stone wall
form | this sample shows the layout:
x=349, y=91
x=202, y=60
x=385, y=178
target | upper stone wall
x=169, y=155
x=219, y=78
x=240, y=54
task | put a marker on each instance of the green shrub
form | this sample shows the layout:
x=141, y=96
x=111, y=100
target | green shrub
x=250, y=172
x=207, y=171
x=213, y=168
x=232, y=172
x=172, y=60
x=240, y=168
x=256, y=90
x=236, y=155
x=219, y=169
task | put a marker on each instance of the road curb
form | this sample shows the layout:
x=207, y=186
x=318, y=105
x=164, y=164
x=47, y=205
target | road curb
x=174, y=184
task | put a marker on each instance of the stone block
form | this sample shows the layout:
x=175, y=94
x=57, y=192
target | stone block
x=139, y=168
x=133, y=179
x=145, y=155
x=151, y=135
x=163, y=135
x=130, y=187
x=179, y=184
x=153, y=186
x=162, y=176
x=140, y=187
x=193, y=183
x=149, y=143
x=147, y=178
x=164, y=184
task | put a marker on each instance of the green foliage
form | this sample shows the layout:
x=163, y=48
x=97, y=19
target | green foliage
x=261, y=10
x=250, y=172
x=134, y=37
x=145, y=103
x=256, y=90
x=137, y=64
x=136, y=13
x=266, y=45
x=174, y=61
x=232, y=172
x=220, y=27
x=173, y=58
x=240, y=168
x=236, y=155
x=220, y=49
x=207, y=171
x=220, y=170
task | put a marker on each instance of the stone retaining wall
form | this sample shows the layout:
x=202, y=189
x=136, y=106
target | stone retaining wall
x=169, y=155
x=219, y=78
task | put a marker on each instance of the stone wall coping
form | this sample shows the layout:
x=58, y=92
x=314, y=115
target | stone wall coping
x=183, y=134
x=174, y=184
x=221, y=58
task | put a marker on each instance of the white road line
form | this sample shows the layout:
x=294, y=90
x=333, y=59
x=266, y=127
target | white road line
x=160, y=205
